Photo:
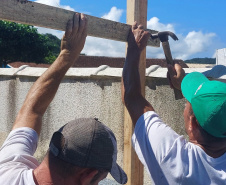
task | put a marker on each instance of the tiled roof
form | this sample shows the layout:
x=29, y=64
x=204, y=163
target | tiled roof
x=18, y=64
x=96, y=61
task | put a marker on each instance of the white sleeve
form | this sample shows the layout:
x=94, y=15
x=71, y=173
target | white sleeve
x=152, y=139
x=21, y=141
x=16, y=157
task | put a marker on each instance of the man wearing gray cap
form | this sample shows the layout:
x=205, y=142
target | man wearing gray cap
x=82, y=152
x=169, y=158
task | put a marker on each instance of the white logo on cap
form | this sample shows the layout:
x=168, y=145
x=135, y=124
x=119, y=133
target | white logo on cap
x=198, y=89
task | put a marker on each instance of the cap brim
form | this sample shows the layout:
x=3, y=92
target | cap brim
x=118, y=174
x=191, y=83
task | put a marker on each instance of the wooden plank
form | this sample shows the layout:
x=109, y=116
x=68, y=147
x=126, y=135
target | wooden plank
x=136, y=11
x=56, y=18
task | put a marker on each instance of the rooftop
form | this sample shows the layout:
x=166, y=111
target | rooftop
x=96, y=61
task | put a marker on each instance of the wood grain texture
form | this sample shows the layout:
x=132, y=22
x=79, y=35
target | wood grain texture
x=56, y=18
x=136, y=11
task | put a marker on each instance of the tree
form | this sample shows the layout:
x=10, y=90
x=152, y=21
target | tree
x=19, y=42
x=53, y=44
x=201, y=61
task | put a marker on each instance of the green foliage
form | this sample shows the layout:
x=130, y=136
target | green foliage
x=50, y=59
x=53, y=44
x=201, y=61
x=19, y=42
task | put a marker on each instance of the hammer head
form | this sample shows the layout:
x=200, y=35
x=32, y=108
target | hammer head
x=164, y=36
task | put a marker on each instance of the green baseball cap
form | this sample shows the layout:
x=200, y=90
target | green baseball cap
x=208, y=101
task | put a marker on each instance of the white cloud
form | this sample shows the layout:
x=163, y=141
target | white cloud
x=154, y=24
x=104, y=47
x=193, y=44
x=197, y=41
x=57, y=33
x=55, y=3
x=114, y=14
x=94, y=46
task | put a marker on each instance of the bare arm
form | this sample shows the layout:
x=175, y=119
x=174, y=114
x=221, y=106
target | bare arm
x=135, y=103
x=44, y=89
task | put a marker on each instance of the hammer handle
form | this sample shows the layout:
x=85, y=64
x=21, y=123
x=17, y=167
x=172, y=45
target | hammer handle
x=167, y=52
x=169, y=60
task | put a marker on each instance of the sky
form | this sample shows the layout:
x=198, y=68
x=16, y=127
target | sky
x=200, y=25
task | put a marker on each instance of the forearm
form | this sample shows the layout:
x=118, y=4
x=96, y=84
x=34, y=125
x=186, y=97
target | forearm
x=42, y=92
x=131, y=86
x=135, y=103
x=44, y=89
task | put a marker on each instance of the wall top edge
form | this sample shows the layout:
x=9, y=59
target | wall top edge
x=106, y=71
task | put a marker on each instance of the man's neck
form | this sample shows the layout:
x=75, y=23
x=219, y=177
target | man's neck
x=214, y=152
x=213, y=149
x=44, y=176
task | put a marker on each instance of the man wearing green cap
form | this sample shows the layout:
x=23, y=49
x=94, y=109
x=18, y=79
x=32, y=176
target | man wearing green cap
x=169, y=157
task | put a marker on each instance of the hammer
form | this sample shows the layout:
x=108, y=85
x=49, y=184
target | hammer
x=164, y=37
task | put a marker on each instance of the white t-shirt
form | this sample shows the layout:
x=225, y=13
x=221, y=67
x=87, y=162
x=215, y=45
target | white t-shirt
x=171, y=159
x=16, y=157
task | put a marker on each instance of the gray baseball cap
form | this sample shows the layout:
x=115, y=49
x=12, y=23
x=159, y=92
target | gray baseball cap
x=87, y=143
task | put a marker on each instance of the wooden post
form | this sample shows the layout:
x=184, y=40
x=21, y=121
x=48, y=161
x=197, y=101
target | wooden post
x=136, y=11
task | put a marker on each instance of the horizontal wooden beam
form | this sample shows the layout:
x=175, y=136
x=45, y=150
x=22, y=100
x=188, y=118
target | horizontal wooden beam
x=56, y=18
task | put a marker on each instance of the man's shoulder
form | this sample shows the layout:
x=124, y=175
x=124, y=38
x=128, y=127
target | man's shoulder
x=19, y=146
x=148, y=120
x=148, y=116
x=16, y=157
x=18, y=135
x=15, y=174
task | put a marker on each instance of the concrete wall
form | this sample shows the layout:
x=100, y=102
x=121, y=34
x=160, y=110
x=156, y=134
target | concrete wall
x=86, y=93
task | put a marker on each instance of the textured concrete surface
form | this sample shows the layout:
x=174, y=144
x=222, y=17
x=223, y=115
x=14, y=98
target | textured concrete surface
x=76, y=97
x=83, y=94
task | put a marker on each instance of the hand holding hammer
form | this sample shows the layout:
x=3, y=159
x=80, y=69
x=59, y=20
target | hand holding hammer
x=164, y=37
